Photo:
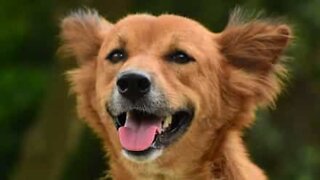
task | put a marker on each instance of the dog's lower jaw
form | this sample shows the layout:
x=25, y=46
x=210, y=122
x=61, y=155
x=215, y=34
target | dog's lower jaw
x=154, y=155
x=230, y=162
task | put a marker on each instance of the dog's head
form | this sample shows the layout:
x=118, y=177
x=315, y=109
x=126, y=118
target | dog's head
x=162, y=86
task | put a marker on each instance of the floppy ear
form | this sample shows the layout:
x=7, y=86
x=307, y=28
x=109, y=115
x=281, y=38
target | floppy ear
x=82, y=34
x=252, y=51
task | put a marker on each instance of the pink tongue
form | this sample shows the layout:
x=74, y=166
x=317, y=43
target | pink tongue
x=138, y=135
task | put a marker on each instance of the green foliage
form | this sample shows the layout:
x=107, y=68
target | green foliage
x=25, y=55
x=88, y=162
x=20, y=93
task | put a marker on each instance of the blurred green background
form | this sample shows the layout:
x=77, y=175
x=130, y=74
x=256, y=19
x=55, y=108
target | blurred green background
x=41, y=138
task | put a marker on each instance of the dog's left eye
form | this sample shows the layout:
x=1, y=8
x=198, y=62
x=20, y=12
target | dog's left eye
x=179, y=57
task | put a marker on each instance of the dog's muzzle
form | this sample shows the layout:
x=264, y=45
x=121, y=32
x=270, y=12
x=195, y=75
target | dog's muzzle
x=143, y=118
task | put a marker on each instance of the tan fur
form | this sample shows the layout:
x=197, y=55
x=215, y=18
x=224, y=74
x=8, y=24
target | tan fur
x=235, y=71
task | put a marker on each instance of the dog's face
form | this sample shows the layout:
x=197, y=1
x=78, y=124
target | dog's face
x=151, y=78
x=159, y=87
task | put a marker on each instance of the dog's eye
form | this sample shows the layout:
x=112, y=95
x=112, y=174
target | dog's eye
x=179, y=57
x=117, y=55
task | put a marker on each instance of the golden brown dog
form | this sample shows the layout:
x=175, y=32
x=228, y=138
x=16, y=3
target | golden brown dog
x=169, y=98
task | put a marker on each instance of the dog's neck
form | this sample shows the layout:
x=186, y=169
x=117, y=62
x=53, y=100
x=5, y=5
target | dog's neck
x=229, y=161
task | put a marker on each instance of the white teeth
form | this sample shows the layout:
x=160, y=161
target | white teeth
x=128, y=116
x=167, y=122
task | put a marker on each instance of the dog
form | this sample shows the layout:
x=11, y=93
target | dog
x=169, y=98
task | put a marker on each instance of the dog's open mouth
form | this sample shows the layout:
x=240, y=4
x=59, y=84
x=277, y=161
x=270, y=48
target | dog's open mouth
x=140, y=132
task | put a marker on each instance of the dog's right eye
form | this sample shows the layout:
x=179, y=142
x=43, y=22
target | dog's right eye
x=117, y=55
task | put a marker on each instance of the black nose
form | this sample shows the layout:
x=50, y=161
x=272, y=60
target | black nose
x=133, y=85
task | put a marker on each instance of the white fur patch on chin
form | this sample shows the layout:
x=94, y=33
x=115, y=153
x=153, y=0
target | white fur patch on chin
x=143, y=159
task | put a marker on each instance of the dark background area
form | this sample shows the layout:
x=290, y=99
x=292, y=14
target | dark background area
x=41, y=137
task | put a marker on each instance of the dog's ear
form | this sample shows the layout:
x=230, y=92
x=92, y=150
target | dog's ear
x=82, y=34
x=253, y=51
